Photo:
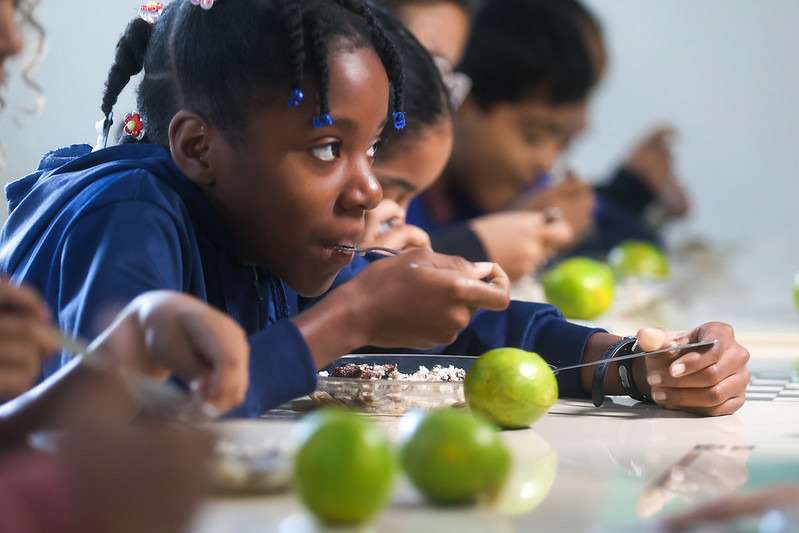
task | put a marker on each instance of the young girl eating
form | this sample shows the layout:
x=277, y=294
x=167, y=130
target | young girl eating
x=261, y=120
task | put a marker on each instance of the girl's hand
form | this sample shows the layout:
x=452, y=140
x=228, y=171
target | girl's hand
x=422, y=299
x=26, y=338
x=710, y=382
x=164, y=333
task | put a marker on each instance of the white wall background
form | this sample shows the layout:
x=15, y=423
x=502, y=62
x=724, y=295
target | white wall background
x=723, y=71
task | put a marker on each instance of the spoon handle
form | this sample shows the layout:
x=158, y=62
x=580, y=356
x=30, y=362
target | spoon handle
x=679, y=348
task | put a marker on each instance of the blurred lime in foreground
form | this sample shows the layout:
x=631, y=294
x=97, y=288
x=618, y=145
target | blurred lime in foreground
x=344, y=468
x=452, y=456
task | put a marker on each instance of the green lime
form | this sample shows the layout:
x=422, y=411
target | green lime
x=580, y=287
x=512, y=387
x=639, y=259
x=344, y=469
x=453, y=456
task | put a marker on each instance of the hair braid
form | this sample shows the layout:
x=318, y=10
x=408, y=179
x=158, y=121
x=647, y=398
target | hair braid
x=319, y=48
x=387, y=51
x=129, y=61
x=292, y=13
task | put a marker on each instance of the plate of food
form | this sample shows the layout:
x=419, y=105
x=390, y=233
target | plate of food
x=393, y=384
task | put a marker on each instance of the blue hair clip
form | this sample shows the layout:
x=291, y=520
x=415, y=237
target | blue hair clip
x=322, y=121
x=296, y=98
x=399, y=120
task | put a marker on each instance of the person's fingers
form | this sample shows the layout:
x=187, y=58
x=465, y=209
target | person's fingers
x=469, y=291
x=479, y=294
x=702, y=398
x=727, y=408
x=43, y=338
x=402, y=238
x=451, y=262
x=215, y=338
x=652, y=339
x=496, y=276
x=388, y=213
x=714, y=373
x=695, y=361
x=23, y=299
x=557, y=234
x=20, y=365
x=725, y=346
x=658, y=136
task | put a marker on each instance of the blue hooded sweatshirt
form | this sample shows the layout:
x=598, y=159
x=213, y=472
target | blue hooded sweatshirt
x=93, y=230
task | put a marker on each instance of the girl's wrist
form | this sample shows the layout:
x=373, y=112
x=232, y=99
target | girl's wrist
x=335, y=326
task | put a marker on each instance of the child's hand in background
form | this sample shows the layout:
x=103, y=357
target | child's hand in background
x=386, y=227
x=576, y=201
x=165, y=333
x=521, y=241
x=653, y=159
x=26, y=338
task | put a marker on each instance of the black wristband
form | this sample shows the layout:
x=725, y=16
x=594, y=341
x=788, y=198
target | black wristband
x=627, y=379
x=623, y=347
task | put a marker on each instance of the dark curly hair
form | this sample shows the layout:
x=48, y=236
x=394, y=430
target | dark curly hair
x=218, y=62
x=426, y=96
x=530, y=48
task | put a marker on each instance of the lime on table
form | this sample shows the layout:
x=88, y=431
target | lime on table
x=512, y=387
x=639, y=259
x=344, y=469
x=453, y=457
x=580, y=287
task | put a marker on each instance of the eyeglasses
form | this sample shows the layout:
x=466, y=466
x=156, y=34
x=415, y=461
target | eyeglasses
x=458, y=84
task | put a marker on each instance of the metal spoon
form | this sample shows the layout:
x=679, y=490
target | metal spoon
x=678, y=348
x=363, y=251
x=161, y=398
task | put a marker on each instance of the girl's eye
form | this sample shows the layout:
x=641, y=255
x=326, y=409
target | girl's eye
x=328, y=152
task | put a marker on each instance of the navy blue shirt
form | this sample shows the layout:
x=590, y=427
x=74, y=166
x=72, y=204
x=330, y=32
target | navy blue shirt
x=93, y=230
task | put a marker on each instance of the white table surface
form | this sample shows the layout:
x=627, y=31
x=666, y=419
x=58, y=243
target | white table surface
x=604, y=465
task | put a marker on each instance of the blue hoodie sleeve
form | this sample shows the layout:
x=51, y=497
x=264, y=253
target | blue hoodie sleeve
x=110, y=256
x=533, y=327
x=105, y=267
x=281, y=369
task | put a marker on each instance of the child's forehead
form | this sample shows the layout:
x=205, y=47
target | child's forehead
x=358, y=90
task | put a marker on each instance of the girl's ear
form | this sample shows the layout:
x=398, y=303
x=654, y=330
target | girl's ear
x=191, y=141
